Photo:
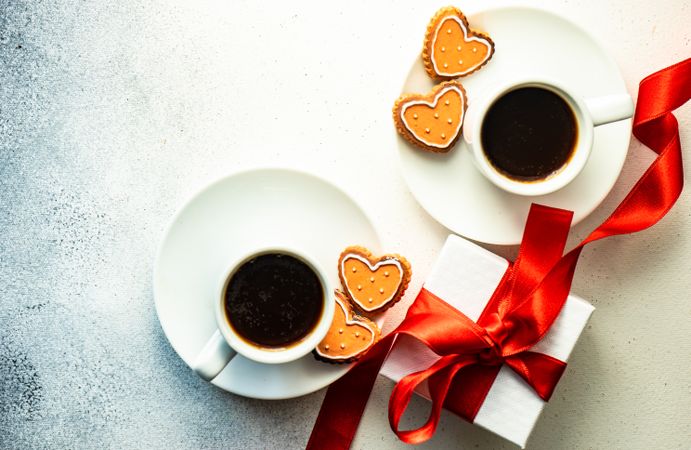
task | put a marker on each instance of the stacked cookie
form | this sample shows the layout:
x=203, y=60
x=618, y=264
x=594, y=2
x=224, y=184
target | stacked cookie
x=370, y=286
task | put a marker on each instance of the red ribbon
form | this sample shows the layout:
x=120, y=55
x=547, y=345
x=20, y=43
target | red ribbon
x=514, y=320
x=526, y=302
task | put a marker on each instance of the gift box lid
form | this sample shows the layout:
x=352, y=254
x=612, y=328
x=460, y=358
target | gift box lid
x=465, y=275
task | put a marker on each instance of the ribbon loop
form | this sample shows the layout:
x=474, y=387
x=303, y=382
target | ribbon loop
x=440, y=375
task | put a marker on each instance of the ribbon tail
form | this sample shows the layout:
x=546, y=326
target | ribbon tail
x=346, y=399
x=655, y=126
x=542, y=372
x=440, y=376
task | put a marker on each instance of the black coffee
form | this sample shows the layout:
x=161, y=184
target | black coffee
x=529, y=133
x=274, y=300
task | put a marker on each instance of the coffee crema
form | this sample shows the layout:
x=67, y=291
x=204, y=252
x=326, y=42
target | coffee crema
x=529, y=134
x=274, y=300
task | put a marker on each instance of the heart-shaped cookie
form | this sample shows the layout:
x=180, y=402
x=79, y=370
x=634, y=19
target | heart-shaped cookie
x=451, y=48
x=373, y=284
x=432, y=121
x=350, y=335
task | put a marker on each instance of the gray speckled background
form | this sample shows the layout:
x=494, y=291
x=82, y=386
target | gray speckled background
x=83, y=200
x=112, y=113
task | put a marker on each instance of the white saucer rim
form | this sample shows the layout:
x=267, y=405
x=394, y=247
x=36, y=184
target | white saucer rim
x=578, y=217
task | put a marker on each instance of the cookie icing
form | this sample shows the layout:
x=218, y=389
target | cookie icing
x=393, y=278
x=349, y=337
x=373, y=284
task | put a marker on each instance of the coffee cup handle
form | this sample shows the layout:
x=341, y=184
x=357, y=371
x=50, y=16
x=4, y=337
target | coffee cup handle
x=214, y=357
x=610, y=108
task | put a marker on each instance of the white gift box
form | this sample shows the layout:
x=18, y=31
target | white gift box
x=465, y=276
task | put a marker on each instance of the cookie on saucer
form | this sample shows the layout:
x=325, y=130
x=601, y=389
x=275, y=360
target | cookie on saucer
x=452, y=49
x=373, y=284
x=350, y=335
x=432, y=121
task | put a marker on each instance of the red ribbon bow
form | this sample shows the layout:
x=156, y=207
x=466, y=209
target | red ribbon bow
x=526, y=302
x=516, y=317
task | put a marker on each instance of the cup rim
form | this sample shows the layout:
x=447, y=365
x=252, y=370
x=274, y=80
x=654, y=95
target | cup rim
x=275, y=355
x=552, y=182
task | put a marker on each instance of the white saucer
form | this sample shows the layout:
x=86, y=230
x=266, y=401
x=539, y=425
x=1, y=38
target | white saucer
x=257, y=208
x=528, y=42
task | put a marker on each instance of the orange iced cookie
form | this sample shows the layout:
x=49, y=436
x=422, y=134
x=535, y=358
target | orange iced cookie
x=350, y=335
x=432, y=121
x=373, y=284
x=451, y=48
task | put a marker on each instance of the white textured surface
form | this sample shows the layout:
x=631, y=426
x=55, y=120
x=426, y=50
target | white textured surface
x=465, y=276
x=113, y=113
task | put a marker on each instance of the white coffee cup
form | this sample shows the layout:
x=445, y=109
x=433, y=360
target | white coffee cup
x=589, y=113
x=225, y=343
